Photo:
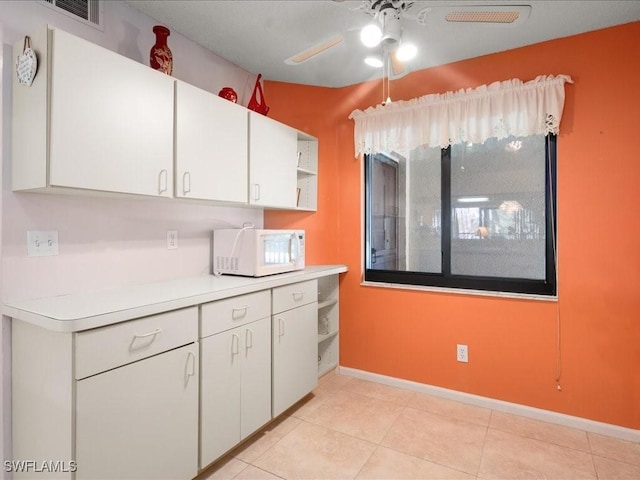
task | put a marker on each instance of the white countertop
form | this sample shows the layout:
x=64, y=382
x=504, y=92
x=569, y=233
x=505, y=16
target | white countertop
x=82, y=311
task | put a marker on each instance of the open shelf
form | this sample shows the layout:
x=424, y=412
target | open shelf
x=328, y=324
x=307, y=173
x=327, y=303
x=323, y=337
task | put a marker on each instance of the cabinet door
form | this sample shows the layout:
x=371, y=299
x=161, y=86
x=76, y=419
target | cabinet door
x=140, y=420
x=295, y=355
x=211, y=146
x=256, y=376
x=220, y=394
x=272, y=162
x=111, y=121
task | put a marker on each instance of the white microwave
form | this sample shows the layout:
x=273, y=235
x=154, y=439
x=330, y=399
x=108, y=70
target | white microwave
x=255, y=253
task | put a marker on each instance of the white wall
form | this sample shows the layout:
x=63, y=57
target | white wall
x=104, y=242
x=110, y=242
x=5, y=323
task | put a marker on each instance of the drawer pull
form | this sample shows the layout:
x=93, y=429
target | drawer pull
x=136, y=337
x=298, y=295
x=150, y=334
x=239, y=312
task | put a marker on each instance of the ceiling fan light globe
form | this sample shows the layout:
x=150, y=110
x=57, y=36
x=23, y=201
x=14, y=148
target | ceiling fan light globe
x=406, y=51
x=371, y=35
x=374, y=61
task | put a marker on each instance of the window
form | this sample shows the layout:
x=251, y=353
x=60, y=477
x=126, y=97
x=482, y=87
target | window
x=471, y=216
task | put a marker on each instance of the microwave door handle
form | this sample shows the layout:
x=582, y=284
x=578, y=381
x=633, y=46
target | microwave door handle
x=293, y=258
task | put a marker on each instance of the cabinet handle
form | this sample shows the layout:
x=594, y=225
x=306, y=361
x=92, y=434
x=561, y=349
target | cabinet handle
x=190, y=367
x=241, y=312
x=192, y=370
x=248, y=338
x=280, y=327
x=186, y=185
x=298, y=295
x=162, y=180
x=235, y=341
x=256, y=191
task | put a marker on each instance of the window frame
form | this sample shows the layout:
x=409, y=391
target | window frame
x=546, y=287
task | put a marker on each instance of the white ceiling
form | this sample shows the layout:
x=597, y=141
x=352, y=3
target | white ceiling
x=259, y=35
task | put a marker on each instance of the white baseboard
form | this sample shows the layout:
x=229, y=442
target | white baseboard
x=601, y=428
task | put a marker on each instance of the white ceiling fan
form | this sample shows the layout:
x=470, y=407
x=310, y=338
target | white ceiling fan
x=384, y=33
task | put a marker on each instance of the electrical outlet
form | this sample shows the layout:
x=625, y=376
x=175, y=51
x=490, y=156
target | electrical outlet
x=172, y=239
x=462, y=353
x=42, y=243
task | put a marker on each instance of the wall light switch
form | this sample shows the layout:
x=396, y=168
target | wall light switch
x=172, y=239
x=42, y=243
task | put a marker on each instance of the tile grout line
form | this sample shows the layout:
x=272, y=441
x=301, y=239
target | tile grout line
x=484, y=444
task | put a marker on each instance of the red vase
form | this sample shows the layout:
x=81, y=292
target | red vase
x=160, y=57
x=229, y=94
x=258, y=104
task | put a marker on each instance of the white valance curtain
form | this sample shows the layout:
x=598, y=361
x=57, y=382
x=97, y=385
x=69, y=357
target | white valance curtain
x=500, y=109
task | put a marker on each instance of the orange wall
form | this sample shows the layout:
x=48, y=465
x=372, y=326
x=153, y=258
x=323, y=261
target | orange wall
x=512, y=343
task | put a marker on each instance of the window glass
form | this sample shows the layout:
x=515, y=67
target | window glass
x=498, y=208
x=476, y=216
x=425, y=211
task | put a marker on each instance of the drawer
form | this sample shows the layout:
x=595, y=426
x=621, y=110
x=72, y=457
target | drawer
x=233, y=312
x=292, y=296
x=115, y=345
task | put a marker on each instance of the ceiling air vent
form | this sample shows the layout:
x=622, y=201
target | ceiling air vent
x=482, y=17
x=86, y=11
x=478, y=14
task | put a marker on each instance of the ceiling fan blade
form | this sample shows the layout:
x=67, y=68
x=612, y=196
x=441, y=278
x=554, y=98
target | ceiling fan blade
x=397, y=66
x=309, y=53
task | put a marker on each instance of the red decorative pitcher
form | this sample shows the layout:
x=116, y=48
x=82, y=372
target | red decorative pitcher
x=261, y=106
x=160, y=57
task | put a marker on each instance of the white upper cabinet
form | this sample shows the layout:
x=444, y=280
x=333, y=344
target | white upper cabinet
x=273, y=149
x=211, y=146
x=97, y=122
x=109, y=121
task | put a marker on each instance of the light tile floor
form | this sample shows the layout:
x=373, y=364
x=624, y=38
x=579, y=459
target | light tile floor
x=355, y=429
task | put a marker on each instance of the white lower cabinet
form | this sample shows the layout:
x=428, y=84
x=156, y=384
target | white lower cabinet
x=235, y=373
x=162, y=396
x=120, y=401
x=295, y=346
x=140, y=420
